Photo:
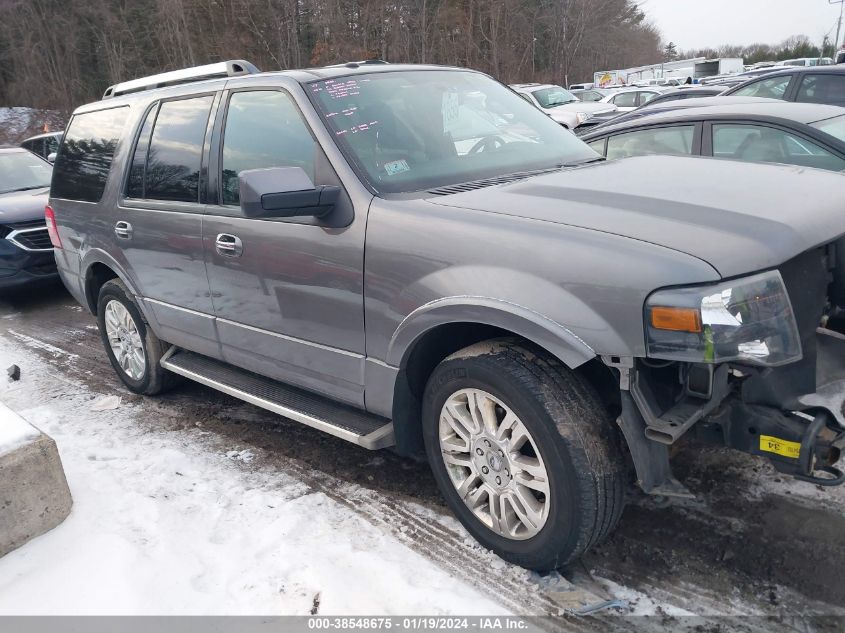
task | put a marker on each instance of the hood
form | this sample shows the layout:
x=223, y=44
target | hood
x=738, y=217
x=21, y=206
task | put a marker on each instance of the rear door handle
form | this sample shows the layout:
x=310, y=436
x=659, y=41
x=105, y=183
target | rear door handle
x=229, y=245
x=123, y=230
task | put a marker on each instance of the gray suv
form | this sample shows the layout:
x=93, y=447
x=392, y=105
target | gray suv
x=414, y=257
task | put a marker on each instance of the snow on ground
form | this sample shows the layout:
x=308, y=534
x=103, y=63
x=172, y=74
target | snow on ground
x=162, y=524
x=14, y=430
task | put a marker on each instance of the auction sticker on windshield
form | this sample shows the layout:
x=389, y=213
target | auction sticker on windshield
x=396, y=167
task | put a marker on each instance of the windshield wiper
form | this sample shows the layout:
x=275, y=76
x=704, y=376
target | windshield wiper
x=586, y=161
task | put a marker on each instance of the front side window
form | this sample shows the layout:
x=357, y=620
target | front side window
x=20, y=171
x=85, y=157
x=673, y=141
x=175, y=153
x=263, y=129
x=625, y=100
x=598, y=146
x=828, y=88
x=51, y=144
x=553, y=97
x=771, y=88
x=415, y=130
x=763, y=144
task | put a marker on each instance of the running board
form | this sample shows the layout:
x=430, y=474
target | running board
x=350, y=424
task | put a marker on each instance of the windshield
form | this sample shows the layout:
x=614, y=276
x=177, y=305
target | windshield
x=553, y=97
x=835, y=127
x=417, y=130
x=23, y=170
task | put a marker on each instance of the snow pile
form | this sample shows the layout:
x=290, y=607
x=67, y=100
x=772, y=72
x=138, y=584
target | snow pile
x=14, y=430
x=164, y=523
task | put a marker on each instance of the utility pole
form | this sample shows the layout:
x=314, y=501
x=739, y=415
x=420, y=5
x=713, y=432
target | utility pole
x=841, y=4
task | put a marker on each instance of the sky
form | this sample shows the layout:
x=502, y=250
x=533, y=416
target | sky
x=695, y=24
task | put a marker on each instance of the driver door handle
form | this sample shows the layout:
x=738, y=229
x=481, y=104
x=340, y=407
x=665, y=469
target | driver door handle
x=229, y=245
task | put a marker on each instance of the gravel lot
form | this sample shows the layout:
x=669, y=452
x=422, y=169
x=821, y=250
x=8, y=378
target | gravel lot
x=751, y=543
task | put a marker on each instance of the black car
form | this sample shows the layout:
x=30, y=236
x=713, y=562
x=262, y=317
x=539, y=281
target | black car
x=26, y=253
x=804, y=84
x=809, y=135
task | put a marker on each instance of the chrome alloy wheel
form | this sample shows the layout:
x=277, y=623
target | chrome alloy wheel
x=494, y=464
x=124, y=339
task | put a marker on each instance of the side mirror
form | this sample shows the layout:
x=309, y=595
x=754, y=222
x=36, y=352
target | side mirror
x=51, y=157
x=284, y=192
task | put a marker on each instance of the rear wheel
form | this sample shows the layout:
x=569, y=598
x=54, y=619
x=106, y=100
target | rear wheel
x=524, y=453
x=134, y=350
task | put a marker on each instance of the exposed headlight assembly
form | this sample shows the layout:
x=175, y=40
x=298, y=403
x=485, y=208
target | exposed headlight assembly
x=747, y=320
x=581, y=117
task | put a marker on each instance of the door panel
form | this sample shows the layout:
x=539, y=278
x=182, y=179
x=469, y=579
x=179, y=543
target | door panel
x=290, y=305
x=158, y=226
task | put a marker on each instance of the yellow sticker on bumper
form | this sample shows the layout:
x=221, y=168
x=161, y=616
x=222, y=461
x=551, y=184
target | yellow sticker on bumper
x=778, y=446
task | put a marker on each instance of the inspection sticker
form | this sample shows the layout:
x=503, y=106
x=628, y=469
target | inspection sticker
x=396, y=167
x=778, y=446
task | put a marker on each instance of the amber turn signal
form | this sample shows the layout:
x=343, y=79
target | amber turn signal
x=675, y=319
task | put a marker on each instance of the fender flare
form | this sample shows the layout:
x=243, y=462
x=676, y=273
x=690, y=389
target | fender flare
x=96, y=256
x=522, y=321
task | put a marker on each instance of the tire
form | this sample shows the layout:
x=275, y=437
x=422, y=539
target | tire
x=569, y=431
x=152, y=378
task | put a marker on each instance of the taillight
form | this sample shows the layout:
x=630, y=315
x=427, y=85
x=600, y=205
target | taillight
x=52, y=229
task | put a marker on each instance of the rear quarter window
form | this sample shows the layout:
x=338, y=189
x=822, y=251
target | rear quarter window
x=84, y=159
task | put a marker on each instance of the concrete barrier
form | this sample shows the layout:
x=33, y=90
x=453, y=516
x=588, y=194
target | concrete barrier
x=34, y=495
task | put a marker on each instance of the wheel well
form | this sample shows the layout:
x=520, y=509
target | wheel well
x=97, y=275
x=438, y=343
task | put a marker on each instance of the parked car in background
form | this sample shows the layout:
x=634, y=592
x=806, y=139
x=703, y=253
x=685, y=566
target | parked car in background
x=809, y=135
x=664, y=106
x=560, y=104
x=840, y=57
x=26, y=254
x=804, y=85
x=681, y=93
x=528, y=315
x=594, y=94
x=629, y=99
x=806, y=61
x=45, y=145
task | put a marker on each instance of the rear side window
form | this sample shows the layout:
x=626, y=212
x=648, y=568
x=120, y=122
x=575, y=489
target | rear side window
x=673, y=141
x=771, y=88
x=828, y=89
x=174, y=157
x=85, y=157
x=763, y=144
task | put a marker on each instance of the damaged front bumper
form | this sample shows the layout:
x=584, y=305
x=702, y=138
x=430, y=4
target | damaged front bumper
x=792, y=415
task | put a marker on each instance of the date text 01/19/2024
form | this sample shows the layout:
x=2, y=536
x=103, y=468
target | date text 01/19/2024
x=419, y=623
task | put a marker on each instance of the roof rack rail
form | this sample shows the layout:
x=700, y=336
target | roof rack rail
x=231, y=68
x=366, y=62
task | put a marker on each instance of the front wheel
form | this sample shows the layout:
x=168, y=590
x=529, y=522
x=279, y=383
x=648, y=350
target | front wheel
x=524, y=453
